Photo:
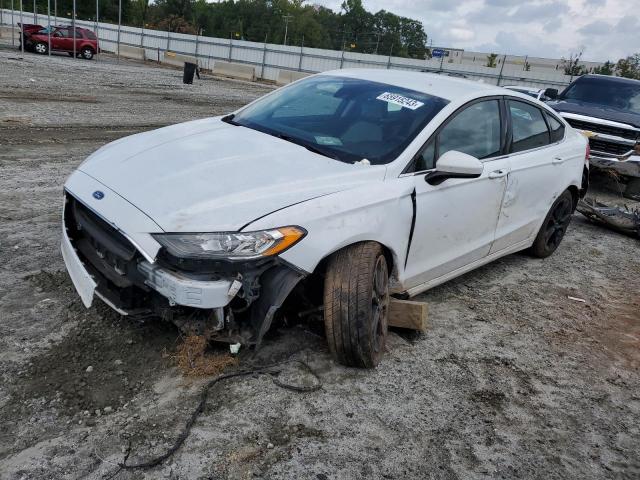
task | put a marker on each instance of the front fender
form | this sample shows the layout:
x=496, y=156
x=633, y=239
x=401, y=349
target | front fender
x=378, y=211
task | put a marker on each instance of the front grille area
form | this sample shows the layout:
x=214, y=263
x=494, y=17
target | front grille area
x=606, y=129
x=107, y=255
x=611, y=148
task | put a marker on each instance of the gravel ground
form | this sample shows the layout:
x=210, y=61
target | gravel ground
x=512, y=380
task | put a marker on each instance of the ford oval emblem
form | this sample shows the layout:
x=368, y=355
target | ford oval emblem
x=98, y=195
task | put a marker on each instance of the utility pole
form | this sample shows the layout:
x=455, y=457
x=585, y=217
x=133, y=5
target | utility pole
x=286, y=18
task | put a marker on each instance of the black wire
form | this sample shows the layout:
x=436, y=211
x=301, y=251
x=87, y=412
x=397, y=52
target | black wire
x=268, y=370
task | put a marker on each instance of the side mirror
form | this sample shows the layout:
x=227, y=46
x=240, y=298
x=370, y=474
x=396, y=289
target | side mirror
x=454, y=164
x=552, y=93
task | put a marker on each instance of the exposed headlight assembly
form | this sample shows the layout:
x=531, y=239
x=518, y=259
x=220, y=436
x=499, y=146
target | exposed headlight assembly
x=230, y=245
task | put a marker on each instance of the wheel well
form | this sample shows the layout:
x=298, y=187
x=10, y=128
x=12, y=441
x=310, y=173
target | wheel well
x=88, y=47
x=575, y=194
x=388, y=255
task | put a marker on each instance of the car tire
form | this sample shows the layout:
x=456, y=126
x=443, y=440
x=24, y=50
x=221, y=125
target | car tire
x=86, y=53
x=41, y=48
x=554, y=226
x=356, y=304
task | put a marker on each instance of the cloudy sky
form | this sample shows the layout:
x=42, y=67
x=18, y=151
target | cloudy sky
x=605, y=29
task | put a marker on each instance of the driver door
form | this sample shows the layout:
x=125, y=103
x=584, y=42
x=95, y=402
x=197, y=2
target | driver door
x=456, y=220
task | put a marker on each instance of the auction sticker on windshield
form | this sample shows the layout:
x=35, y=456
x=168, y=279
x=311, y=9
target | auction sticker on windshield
x=397, y=99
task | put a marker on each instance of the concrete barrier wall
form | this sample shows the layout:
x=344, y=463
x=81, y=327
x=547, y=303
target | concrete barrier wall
x=177, y=60
x=288, y=76
x=6, y=32
x=234, y=70
x=132, y=52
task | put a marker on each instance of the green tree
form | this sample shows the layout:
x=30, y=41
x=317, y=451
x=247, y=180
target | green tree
x=607, y=68
x=492, y=60
x=629, y=67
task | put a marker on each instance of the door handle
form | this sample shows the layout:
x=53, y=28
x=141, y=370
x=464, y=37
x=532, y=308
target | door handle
x=498, y=173
x=558, y=160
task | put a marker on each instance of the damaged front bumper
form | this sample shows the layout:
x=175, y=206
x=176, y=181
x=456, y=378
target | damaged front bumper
x=225, y=300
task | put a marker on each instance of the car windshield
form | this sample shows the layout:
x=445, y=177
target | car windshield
x=614, y=94
x=343, y=118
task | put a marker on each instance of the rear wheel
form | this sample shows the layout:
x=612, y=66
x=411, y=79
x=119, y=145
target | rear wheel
x=554, y=226
x=41, y=48
x=356, y=304
x=87, y=53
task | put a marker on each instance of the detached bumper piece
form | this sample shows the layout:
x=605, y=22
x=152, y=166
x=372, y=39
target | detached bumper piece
x=228, y=301
x=615, y=218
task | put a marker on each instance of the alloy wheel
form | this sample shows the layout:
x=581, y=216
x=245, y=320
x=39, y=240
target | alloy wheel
x=380, y=303
x=557, y=224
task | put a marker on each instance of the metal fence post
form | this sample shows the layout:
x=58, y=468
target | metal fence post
x=504, y=59
x=168, y=41
x=342, y=57
x=35, y=14
x=21, y=34
x=97, y=17
x=49, y=27
x=389, y=61
x=230, y=45
x=13, y=33
x=73, y=27
x=300, y=60
x=264, y=56
x=197, y=41
x=1, y=12
x=119, y=25
x=142, y=36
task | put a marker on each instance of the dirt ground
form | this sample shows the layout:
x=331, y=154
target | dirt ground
x=512, y=380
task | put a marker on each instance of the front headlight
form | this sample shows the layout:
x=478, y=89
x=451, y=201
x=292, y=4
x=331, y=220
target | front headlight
x=230, y=245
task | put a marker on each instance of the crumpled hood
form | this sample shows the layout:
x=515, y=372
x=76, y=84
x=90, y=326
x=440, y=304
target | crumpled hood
x=597, y=111
x=207, y=175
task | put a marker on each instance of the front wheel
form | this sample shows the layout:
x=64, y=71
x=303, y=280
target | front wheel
x=41, y=48
x=554, y=226
x=356, y=304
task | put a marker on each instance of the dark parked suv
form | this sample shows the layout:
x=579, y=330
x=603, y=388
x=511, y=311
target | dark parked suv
x=607, y=110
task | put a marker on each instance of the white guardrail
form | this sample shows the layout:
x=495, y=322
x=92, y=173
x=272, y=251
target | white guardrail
x=268, y=59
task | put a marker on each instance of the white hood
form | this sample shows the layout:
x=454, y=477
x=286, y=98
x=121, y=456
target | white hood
x=208, y=175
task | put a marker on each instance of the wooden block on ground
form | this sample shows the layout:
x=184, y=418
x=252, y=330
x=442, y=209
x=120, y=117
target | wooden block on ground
x=408, y=314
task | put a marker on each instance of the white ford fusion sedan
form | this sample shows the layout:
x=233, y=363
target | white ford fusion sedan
x=338, y=190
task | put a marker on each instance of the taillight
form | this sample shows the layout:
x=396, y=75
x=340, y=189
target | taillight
x=587, y=154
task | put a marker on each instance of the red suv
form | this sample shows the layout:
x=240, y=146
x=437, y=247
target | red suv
x=86, y=41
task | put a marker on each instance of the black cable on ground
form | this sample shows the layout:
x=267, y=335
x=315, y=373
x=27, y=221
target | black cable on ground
x=273, y=369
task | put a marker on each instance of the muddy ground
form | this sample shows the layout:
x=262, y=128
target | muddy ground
x=512, y=380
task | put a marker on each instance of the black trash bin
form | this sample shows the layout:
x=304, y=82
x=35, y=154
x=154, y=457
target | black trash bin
x=189, y=72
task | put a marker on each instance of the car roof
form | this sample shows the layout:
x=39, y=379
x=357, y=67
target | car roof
x=610, y=78
x=450, y=88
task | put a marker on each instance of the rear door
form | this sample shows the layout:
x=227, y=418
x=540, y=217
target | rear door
x=537, y=177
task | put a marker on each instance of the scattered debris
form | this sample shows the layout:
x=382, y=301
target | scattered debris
x=193, y=359
x=576, y=299
x=620, y=219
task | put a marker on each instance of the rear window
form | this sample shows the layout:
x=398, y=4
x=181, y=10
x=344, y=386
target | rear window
x=90, y=35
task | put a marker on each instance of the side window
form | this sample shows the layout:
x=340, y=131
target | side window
x=557, y=129
x=474, y=131
x=529, y=128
